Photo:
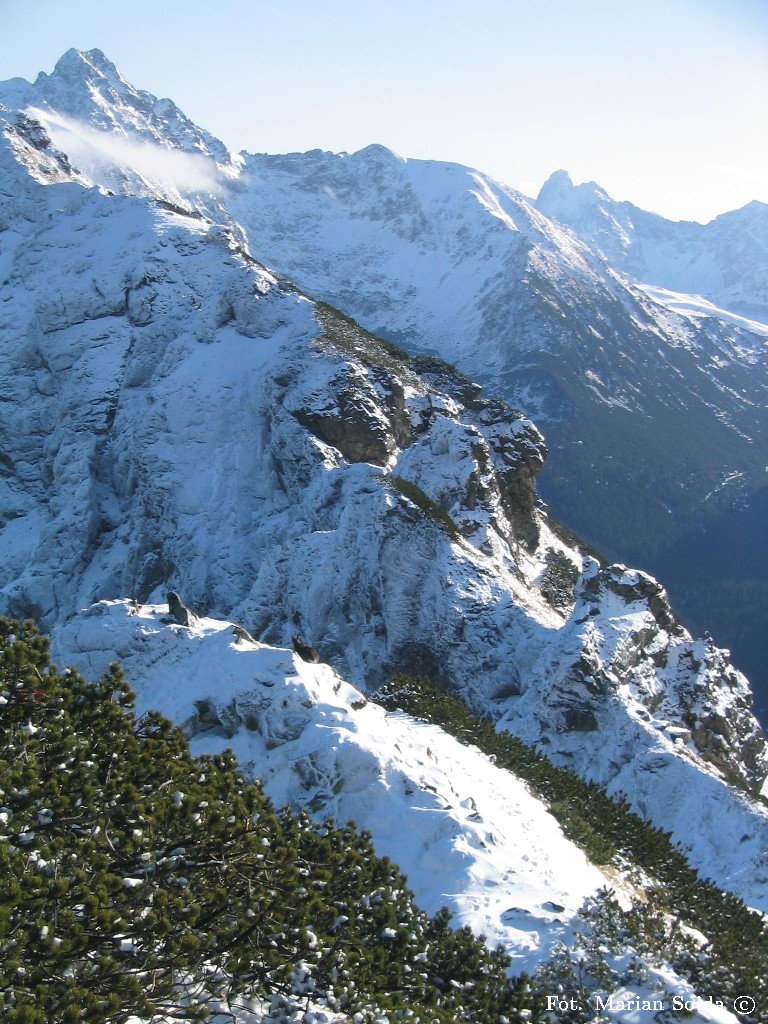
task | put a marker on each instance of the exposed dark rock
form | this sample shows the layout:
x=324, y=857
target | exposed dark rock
x=179, y=611
x=206, y=717
x=724, y=732
x=555, y=908
x=642, y=588
x=306, y=653
x=350, y=430
x=559, y=579
x=149, y=568
x=580, y=719
x=242, y=635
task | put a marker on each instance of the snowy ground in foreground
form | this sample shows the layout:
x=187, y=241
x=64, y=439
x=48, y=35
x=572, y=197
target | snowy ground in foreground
x=468, y=835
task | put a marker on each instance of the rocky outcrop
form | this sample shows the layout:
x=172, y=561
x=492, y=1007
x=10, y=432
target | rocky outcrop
x=362, y=410
x=243, y=636
x=708, y=702
x=304, y=651
x=179, y=612
x=630, y=659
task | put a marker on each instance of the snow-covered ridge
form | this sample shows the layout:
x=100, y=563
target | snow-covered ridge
x=697, y=307
x=468, y=835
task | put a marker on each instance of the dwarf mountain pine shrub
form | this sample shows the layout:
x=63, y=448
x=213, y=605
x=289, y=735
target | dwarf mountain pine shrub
x=136, y=879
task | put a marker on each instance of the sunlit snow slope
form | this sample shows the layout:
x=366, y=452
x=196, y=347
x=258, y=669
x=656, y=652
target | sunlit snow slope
x=468, y=835
x=726, y=261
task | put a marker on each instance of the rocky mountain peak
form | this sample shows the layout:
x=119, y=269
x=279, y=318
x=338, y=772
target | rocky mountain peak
x=88, y=64
x=557, y=183
x=85, y=85
x=559, y=194
x=96, y=115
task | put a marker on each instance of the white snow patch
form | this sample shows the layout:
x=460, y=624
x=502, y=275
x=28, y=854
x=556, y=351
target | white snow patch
x=696, y=307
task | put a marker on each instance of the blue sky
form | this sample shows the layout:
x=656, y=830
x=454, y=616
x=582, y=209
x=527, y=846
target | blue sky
x=663, y=103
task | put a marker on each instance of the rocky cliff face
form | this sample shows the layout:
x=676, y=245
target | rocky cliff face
x=650, y=663
x=179, y=418
x=653, y=404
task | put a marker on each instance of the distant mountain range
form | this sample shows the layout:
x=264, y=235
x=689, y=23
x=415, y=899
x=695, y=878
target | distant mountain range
x=725, y=261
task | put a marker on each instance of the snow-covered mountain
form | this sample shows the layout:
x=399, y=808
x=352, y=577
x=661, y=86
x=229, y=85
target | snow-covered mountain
x=706, y=272
x=654, y=405
x=176, y=416
x=725, y=261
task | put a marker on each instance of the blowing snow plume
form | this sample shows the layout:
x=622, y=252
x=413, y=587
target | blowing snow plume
x=106, y=158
